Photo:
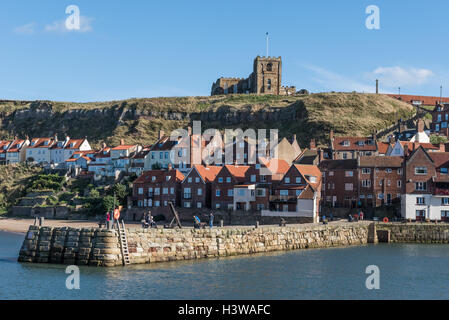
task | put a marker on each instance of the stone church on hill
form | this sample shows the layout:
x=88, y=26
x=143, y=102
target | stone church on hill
x=265, y=79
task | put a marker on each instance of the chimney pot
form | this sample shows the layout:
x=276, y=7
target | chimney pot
x=122, y=142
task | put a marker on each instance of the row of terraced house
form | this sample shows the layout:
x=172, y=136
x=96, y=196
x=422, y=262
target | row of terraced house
x=269, y=187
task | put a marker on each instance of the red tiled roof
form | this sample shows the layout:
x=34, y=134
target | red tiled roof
x=427, y=146
x=308, y=193
x=425, y=100
x=238, y=172
x=337, y=144
x=309, y=170
x=160, y=176
x=40, y=143
x=440, y=158
x=381, y=162
x=208, y=173
x=382, y=147
x=4, y=143
x=163, y=144
x=279, y=165
x=123, y=147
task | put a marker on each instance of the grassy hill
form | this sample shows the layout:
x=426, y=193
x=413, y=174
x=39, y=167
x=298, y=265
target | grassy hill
x=139, y=120
x=13, y=181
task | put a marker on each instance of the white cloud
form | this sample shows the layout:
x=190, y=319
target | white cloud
x=331, y=81
x=28, y=29
x=398, y=76
x=60, y=27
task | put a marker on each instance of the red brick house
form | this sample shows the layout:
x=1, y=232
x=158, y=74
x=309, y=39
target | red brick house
x=342, y=148
x=223, y=186
x=380, y=180
x=155, y=188
x=197, y=186
x=260, y=180
x=440, y=119
x=340, y=181
x=299, y=179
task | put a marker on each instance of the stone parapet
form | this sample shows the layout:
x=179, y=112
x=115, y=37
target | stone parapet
x=100, y=247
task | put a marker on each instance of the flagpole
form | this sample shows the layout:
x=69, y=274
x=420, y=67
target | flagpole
x=267, y=44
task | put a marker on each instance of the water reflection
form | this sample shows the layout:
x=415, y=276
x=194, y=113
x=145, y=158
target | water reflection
x=407, y=271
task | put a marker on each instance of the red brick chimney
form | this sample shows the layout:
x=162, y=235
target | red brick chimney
x=405, y=150
x=420, y=125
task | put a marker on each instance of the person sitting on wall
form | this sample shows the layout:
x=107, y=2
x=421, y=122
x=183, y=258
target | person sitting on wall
x=196, y=222
x=211, y=220
x=145, y=223
x=324, y=219
x=151, y=222
x=350, y=218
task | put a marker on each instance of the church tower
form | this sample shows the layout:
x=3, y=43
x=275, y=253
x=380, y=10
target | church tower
x=267, y=74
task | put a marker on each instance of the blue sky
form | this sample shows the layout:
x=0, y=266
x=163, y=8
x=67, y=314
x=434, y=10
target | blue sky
x=175, y=48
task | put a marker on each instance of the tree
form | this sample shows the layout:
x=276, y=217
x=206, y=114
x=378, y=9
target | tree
x=120, y=191
x=436, y=139
x=94, y=193
x=108, y=203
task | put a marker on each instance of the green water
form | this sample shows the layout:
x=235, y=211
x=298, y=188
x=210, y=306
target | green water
x=407, y=271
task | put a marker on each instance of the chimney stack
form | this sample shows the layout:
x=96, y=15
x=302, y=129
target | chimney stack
x=331, y=135
x=406, y=150
x=170, y=167
x=104, y=145
x=189, y=130
x=420, y=125
x=55, y=137
x=294, y=137
x=161, y=134
x=312, y=144
x=122, y=142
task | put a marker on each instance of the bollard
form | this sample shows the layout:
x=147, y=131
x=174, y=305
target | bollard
x=41, y=221
x=221, y=223
x=257, y=224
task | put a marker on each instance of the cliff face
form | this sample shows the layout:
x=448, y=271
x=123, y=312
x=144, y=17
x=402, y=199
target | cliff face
x=139, y=120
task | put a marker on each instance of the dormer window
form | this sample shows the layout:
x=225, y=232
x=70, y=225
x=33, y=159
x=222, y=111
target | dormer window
x=346, y=143
x=361, y=143
x=46, y=143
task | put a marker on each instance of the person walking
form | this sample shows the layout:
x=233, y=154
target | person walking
x=211, y=220
x=108, y=216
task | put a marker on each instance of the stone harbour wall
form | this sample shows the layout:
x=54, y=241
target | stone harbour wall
x=94, y=247
x=414, y=232
x=100, y=247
